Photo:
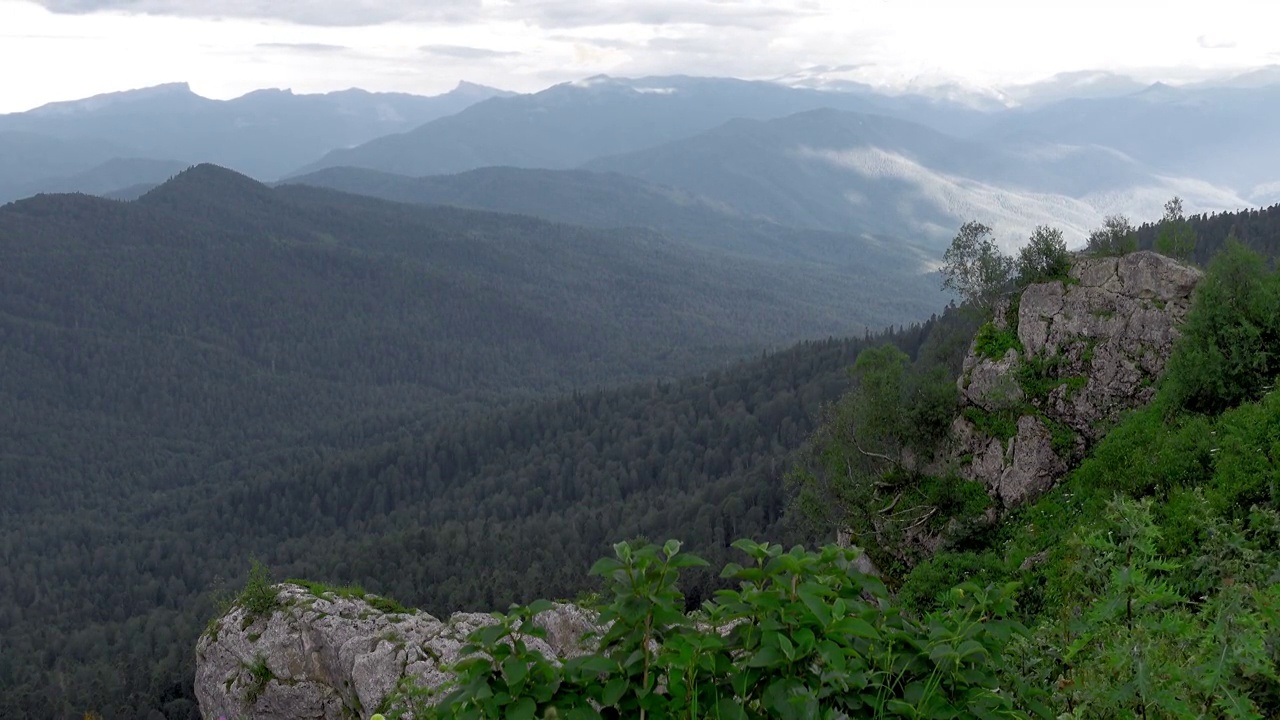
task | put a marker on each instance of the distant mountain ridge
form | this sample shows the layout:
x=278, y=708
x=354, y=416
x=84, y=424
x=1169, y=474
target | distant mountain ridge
x=265, y=133
x=1080, y=145
x=572, y=123
x=612, y=200
x=854, y=172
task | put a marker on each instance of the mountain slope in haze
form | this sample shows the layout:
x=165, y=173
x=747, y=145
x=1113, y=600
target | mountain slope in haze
x=569, y=124
x=109, y=178
x=612, y=200
x=528, y=492
x=264, y=133
x=1223, y=135
x=848, y=171
x=29, y=158
x=220, y=309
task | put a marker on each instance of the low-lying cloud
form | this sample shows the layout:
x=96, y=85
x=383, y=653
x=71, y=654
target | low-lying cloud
x=330, y=13
x=465, y=52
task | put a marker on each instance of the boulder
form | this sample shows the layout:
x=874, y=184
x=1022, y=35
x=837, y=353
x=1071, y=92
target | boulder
x=328, y=657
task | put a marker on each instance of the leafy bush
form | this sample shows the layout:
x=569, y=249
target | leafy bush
x=1131, y=644
x=1044, y=257
x=1117, y=236
x=805, y=635
x=378, y=602
x=258, y=597
x=1002, y=425
x=975, y=268
x=1229, y=350
x=993, y=342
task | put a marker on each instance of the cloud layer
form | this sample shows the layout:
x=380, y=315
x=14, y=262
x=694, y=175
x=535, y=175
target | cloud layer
x=228, y=47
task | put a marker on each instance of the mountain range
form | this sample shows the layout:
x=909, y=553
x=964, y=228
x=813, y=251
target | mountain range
x=264, y=134
x=813, y=152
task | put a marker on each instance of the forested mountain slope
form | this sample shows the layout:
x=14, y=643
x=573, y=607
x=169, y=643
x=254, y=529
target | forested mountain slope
x=217, y=310
x=610, y=200
x=1258, y=229
x=166, y=364
x=530, y=493
x=847, y=171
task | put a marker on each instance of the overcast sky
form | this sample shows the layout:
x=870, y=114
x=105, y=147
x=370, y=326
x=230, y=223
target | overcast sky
x=63, y=49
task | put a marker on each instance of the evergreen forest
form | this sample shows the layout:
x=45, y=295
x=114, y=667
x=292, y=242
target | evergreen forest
x=400, y=397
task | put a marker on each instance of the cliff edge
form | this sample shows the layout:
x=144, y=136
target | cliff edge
x=320, y=654
x=1055, y=368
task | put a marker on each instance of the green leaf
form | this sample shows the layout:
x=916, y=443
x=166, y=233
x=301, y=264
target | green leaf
x=522, y=709
x=670, y=548
x=605, y=566
x=613, y=691
x=816, y=604
x=766, y=657
x=515, y=671
x=728, y=708
x=855, y=627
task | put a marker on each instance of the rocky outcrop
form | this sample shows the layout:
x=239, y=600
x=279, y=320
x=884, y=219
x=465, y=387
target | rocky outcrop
x=1087, y=349
x=327, y=657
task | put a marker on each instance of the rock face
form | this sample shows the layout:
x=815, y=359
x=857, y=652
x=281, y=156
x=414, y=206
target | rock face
x=338, y=658
x=1091, y=348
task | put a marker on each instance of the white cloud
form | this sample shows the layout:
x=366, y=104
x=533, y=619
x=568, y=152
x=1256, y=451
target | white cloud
x=529, y=44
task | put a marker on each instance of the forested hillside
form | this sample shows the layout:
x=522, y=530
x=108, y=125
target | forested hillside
x=1146, y=584
x=610, y=200
x=1258, y=229
x=188, y=395
x=176, y=366
x=531, y=494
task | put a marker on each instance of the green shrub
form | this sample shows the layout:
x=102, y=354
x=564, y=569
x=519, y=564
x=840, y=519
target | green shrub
x=1229, y=350
x=377, y=602
x=992, y=342
x=1117, y=236
x=1002, y=425
x=258, y=597
x=808, y=637
x=1044, y=257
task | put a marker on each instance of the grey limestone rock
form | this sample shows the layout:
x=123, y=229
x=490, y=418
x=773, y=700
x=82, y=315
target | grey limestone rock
x=326, y=657
x=1101, y=338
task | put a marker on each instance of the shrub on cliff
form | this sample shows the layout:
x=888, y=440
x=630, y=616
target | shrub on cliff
x=805, y=635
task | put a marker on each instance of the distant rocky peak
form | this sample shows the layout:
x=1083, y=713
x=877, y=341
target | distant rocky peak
x=176, y=90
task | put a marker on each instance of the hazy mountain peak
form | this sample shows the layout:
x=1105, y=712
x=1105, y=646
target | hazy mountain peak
x=176, y=90
x=466, y=88
x=207, y=184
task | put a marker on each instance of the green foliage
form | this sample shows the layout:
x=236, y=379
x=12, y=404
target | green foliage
x=861, y=473
x=804, y=635
x=993, y=342
x=1044, y=257
x=953, y=497
x=1257, y=228
x=407, y=505
x=259, y=677
x=378, y=602
x=1117, y=236
x=1131, y=644
x=1002, y=424
x=1175, y=236
x=1040, y=375
x=1228, y=349
x=974, y=267
x=259, y=597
